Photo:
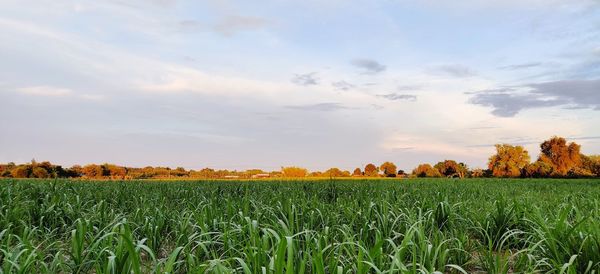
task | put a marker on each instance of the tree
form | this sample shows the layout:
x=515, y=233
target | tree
x=508, y=161
x=293, y=171
x=451, y=168
x=93, y=171
x=206, y=173
x=538, y=169
x=562, y=156
x=74, y=171
x=388, y=169
x=21, y=171
x=316, y=174
x=335, y=172
x=114, y=171
x=578, y=172
x=371, y=170
x=251, y=172
x=357, y=172
x=591, y=163
x=426, y=170
x=39, y=172
x=477, y=173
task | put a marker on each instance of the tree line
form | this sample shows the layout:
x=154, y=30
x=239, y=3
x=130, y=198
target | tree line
x=558, y=158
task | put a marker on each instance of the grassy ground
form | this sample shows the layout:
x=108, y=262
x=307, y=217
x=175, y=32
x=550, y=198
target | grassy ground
x=353, y=226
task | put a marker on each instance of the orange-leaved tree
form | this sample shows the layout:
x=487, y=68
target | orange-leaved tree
x=371, y=170
x=426, y=170
x=293, y=171
x=335, y=172
x=388, y=169
x=538, y=169
x=93, y=171
x=451, y=168
x=508, y=161
x=561, y=156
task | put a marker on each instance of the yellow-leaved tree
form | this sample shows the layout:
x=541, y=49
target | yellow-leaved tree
x=508, y=161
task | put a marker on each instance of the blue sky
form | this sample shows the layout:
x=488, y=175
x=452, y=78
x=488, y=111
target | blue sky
x=238, y=85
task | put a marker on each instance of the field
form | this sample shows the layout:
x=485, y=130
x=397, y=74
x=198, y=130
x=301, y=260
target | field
x=341, y=226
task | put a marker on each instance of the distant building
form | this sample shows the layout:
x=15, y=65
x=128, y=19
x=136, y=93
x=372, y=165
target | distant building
x=261, y=175
x=231, y=177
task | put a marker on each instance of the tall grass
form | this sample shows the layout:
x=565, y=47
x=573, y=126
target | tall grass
x=353, y=226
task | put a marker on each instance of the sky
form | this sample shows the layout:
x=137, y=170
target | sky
x=317, y=84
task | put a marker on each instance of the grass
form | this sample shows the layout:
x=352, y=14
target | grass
x=343, y=226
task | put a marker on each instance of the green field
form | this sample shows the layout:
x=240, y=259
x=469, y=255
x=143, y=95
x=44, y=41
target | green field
x=351, y=226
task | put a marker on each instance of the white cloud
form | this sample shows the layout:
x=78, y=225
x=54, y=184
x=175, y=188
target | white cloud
x=427, y=144
x=44, y=91
x=93, y=97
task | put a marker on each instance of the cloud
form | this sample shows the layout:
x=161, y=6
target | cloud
x=398, y=97
x=376, y=107
x=508, y=104
x=368, y=66
x=425, y=144
x=521, y=66
x=572, y=94
x=343, y=85
x=453, y=70
x=579, y=93
x=585, y=138
x=93, y=97
x=177, y=79
x=409, y=87
x=44, y=91
x=189, y=24
x=319, y=107
x=229, y=25
x=307, y=79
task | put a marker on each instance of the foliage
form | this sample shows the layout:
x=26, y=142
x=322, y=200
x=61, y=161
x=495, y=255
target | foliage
x=558, y=159
x=388, y=169
x=293, y=171
x=477, y=173
x=371, y=170
x=451, y=168
x=346, y=226
x=538, y=169
x=426, y=170
x=93, y=171
x=562, y=156
x=335, y=172
x=591, y=163
x=508, y=161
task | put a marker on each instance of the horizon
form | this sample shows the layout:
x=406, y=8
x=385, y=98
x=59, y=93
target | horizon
x=232, y=85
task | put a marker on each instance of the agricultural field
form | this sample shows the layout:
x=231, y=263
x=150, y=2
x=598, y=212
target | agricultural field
x=320, y=226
